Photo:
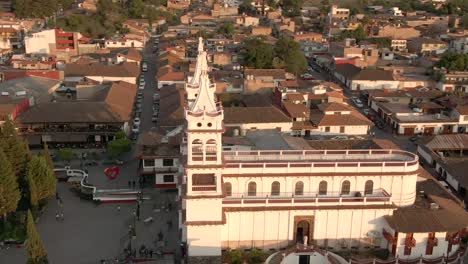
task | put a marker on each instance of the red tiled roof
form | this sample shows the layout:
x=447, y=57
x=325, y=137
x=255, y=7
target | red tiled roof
x=173, y=76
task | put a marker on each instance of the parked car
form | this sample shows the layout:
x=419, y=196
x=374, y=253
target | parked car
x=359, y=103
x=137, y=121
x=142, y=78
x=340, y=138
x=141, y=86
x=154, y=119
x=307, y=76
x=144, y=67
x=135, y=128
x=155, y=96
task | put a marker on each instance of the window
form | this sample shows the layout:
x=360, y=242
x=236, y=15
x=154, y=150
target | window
x=168, y=162
x=465, y=118
x=299, y=188
x=168, y=178
x=203, y=179
x=228, y=188
x=149, y=163
x=210, y=125
x=252, y=189
x=275, y=188
x=199, y=124
x=327, y=129
x=323, y=188
x=345, y=188
x=369, y=187
x=342, y=129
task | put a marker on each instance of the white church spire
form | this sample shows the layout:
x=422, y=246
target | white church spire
x=205, y=101
x=202, y=63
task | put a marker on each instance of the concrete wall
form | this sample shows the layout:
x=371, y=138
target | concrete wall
x=421, y=242
x=283, y=127
x=372, y=85
x=40, y=42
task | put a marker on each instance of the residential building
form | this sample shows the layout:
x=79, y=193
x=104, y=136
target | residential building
x=10, y=37
x=447, y=155
x=126, y=71
x=357, y=79
x=453, y=81
x=247, y=21
x=426, y=46
x=459, y=45
x=159, y=157
x=83, y=114
x=54, y=42
x=125, y=43
x=219, y=10
x=261, y=31
x=256, y=80
x=399, y=45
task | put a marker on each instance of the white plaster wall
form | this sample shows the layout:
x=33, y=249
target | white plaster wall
x=349, y=130
x=204, y=209
x=270, y=229
x=452, y=181
x=426, y=156
x=210, y=245
x=39, y=42
x=369, y=85
x=101, y=79
x=285, y=127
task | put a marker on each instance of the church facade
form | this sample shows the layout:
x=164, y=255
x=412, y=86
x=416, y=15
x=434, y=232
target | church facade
x=273, y=199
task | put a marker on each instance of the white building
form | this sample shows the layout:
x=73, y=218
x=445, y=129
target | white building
x=273, y=199
x=40, y=42
x=124, y=43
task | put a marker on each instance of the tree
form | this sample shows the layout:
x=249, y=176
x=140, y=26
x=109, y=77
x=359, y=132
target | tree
x=9, y=190
x=258, y=54
x=226, y=29
x=119, y=145
x=296, y=62
x=47, y=156
x=66, y=154
x=290, y=54
x=36, y=251
x=15, y=148
x=136, y=8
x=359, y=34
x=454, y=62
x=41, y=179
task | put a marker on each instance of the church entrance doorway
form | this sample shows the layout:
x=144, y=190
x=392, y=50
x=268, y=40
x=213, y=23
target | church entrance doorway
x=303, y=229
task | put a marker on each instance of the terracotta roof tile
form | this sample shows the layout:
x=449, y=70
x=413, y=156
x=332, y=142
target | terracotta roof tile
x=246, y=115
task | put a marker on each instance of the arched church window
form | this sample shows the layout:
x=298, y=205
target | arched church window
x=345, y=188
x=252, y=189
x=369, y=187
x=275, y=188
x=299, y=188
x=323, y=188
x=228, y=188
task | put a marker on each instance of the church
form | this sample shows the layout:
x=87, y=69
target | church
x=329, y=199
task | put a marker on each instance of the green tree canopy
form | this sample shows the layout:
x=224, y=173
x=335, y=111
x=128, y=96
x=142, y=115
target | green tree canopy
x=227, y=29
x=41, y=179
x=119, y=145
x=36, y=251
x=47, y=156
x=359, y=34
x=136, y=8
x=15, y=148
x=288, y=53
x=454, y=62
x=9, y=191
x=258, y=54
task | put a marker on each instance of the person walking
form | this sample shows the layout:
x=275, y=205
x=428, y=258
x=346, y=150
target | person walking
x=133, y=183
x=62, y=217
x=129, y=184
x=57, y=216
x=118, y=208
x=151, y=253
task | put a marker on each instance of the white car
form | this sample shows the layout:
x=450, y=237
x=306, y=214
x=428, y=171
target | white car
x=358, y=103
x=137, y=121
x=141, y=86
x=144, y=67
x=340, y=138
x=135, y=129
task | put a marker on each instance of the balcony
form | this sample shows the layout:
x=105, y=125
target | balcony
x=379, y=197
x=319, y=161
x=433, y=242
x=410, y=242
x=152, y=170
x=68, y=130
x=203, y=188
